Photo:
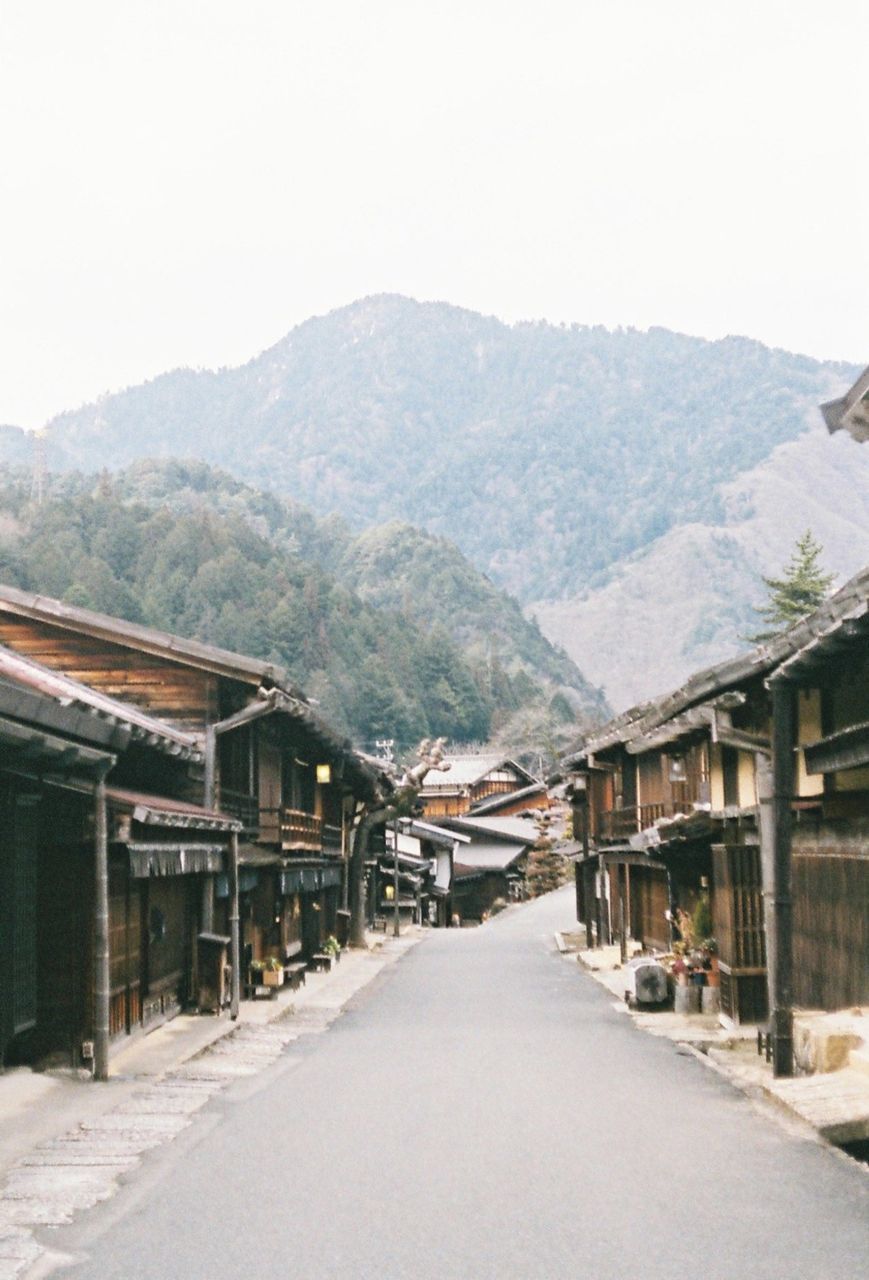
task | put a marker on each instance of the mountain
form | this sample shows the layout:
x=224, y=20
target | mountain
x=547, y=454
x=685, y=601
x=628, y=487
x=420, y=644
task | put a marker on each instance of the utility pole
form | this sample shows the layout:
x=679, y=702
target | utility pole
x=397, y=916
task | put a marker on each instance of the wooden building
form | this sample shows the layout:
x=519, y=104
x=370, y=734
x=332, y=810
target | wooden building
x=822, y=691
x=427, y=855
x=491, y=865
x=473, y=781
x=666, y=803
x=92, y=850
x=244, y=744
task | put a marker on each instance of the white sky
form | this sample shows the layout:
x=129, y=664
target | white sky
x=182, y=181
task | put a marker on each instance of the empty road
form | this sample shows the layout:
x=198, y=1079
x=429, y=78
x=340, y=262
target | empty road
x=482, y=1111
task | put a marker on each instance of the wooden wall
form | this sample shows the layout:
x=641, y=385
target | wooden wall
x=183, y=696
x=650, y=899
x=831, y=926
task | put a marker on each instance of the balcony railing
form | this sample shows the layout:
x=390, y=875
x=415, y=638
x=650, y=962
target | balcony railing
x=619, y=824
x=331, y=839
x=292, y=828
x=238, y=804
x=301, y=831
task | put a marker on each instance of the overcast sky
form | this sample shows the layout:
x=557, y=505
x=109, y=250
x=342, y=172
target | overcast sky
x=182, y=181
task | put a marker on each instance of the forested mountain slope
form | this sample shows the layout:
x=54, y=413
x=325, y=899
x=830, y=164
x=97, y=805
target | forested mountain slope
x=685, y=601
x=425, y=645
x=548, y=454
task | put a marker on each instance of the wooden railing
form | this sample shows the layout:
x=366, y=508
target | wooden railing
x=301, y=830
x=238, y=804
x=331, y=839
x=619, y=824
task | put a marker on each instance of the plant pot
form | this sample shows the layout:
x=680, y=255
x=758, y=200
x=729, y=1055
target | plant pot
x=710, y=1000
x=273, y=977
x=687, y=999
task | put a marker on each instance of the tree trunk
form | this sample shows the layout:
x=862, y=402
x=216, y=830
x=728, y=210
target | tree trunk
x=361, y=841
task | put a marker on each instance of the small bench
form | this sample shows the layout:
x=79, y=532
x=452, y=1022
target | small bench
x=321, y=962
x=294, y=975
x=379, y=924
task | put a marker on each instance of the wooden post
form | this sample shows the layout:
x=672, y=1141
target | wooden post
x=781, y=1010
x=210, y=766
x=623, y=927
x=101, y=932
x=234, y=928
x=588, y=873
x=604, y=936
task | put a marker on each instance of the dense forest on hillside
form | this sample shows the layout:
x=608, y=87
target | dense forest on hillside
x=546, y=453
x=188, y=549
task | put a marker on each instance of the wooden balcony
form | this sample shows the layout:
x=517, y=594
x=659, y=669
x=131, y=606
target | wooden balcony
x=238, y=804
x=620, y=824
x=301, y=831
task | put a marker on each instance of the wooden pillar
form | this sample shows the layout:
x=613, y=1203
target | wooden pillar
x=623, y=925
x=588, y=886
x=101, y=932
x=604, y=936
x=234, y=927
x=781, y=990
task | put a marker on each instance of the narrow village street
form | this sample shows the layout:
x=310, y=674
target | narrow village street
x=480, y=1110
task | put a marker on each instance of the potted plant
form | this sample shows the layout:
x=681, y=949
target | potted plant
x=273, y=972
x=710, y=961
x=332, y=946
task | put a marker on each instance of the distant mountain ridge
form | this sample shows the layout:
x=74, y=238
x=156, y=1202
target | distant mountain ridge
x=628, y=487
x=546, y=453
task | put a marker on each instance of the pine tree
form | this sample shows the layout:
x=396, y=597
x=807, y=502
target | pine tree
x=801, y=588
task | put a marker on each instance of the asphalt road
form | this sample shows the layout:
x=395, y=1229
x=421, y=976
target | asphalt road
x=483, y=1111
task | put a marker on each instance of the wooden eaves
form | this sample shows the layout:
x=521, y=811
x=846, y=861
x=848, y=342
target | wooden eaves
x=133, y=635
x=851, y=411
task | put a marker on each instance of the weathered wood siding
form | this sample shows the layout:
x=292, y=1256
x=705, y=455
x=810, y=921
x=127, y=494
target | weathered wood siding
x=184, y=696
x=738, y=921
x=831, y=920
x=650, y=900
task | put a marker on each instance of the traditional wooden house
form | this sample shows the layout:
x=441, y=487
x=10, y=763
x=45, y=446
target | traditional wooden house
x=52, y=758
x=424, y=871
x=667, y=802
x=821, y=727
x=472, y=781
x=114, y=875
x=491, y=865
x=258, y=752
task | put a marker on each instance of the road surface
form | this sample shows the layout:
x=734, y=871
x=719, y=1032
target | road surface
x=482, y=1111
